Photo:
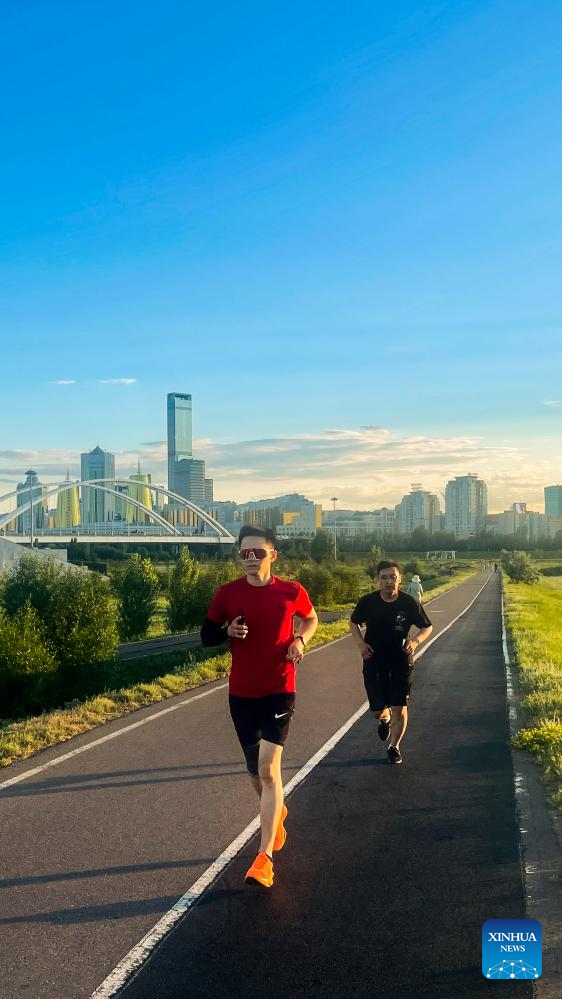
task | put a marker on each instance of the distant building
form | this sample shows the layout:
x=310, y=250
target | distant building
x=140, y=491
x=180, y=434
x=290, y=516
x=553, y=501
x=208, y=490
x=417, y=509
x=68, y=506
x=189, y=479
x=466, y=505
x=354, y=523
x=31, y=489
x=97, y=506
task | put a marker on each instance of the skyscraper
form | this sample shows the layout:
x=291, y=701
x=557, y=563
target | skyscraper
x=417, y=509
x=139, y=490
x=68, y=506
x=31, y=489
x=553, y=501
x=466, y=505
x=180, y=433
x=97, y=506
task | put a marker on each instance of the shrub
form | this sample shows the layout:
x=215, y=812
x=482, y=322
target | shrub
x=183, y=578
x=32, y=582
x=26, y=661
x=520, y=567
x=211, y=576
x=137, y=589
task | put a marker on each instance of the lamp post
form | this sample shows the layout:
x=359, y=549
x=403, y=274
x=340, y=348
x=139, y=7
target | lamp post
x=334, y=501
x=30, y=513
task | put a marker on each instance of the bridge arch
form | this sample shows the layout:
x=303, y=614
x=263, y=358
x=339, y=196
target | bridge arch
x=217, y=529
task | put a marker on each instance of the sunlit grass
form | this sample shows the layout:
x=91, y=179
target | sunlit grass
x=21, y=739
x=534, y=621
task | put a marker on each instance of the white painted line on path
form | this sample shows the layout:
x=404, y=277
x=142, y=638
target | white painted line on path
x=107, y=738
x=142, y=951
x=129, y=728
x=522, y=799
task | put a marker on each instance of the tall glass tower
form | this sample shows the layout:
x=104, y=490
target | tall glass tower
x=97, y=506
x=553, y=501
x=180, y=435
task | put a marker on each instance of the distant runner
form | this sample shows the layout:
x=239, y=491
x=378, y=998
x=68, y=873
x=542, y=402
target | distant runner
x=387, y=652
x=256, y=612
x=415, y=589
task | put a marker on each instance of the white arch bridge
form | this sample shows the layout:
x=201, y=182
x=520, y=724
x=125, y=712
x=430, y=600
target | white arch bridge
x=202, y=529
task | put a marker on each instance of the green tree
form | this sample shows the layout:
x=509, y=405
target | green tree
x=136, y=587
x=211, y=576
x=26, y=661
x=375, y=556
x=32, y=581
x=520, y=567
x=348, y=580
x=183, y=578
x=322, y=545
x=83, y=627
x=319, y=582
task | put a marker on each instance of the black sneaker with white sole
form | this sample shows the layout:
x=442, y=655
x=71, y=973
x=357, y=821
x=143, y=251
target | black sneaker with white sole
x=394, y=755
x=384, y=729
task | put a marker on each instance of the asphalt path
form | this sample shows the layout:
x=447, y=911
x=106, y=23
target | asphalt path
x=187, y=640
x=382, y=888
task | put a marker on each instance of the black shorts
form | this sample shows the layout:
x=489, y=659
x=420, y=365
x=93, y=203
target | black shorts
x=388, y=683
x=257, y=718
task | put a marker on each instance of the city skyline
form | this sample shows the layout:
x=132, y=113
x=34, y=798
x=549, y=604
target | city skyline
x=319, y=226
x=337, y=454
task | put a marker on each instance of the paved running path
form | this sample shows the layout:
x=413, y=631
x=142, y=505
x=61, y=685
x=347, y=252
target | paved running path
x=388, y=873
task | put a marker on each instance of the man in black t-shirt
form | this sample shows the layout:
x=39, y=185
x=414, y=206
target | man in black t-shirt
x=388, y=652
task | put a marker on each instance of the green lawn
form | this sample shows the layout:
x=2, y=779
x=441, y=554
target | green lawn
x=534, y=622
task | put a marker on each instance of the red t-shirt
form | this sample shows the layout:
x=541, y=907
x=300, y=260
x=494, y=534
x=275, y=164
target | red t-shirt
x=259, y=666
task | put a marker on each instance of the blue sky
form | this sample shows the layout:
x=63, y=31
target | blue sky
x=317, y=218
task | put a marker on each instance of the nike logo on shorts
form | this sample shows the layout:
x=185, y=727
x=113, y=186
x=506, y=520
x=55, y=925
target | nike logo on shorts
x=282, y=715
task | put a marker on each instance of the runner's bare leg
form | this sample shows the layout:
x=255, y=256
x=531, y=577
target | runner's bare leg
x=271, y=794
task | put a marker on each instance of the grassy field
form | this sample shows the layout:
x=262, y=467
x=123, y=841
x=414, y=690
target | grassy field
x=534, y=622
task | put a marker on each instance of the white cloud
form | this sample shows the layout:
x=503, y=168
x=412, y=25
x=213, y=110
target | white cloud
x=117, y=381
x=366, y=468
x=553, y=402
x=65, y=381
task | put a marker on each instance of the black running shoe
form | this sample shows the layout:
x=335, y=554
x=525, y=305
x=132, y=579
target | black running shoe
x=384, y=729
x=394, y=755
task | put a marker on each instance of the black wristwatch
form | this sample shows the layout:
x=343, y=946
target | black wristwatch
x=302, y=640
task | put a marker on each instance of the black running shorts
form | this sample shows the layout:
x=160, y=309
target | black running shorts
x=388, y=683
x=265, y=718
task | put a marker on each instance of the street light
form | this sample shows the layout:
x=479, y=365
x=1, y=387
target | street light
x=30, y=513
x=334, y=501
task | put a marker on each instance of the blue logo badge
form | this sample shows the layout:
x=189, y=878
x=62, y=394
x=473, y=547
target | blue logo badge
x=512, y=948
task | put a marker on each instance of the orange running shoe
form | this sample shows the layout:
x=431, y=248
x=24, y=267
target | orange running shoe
x=261, y=872
x=281, y=834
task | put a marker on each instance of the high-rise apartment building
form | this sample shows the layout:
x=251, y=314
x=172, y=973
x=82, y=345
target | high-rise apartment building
x=180, y=434
x=97, y=507
x=466, y=505
x=553, y=501
x=417, y=509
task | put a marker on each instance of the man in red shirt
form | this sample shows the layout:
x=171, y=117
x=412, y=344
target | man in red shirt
x=256, y=612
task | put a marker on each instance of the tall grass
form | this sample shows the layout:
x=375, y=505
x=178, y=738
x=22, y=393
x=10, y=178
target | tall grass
x=534, y=622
